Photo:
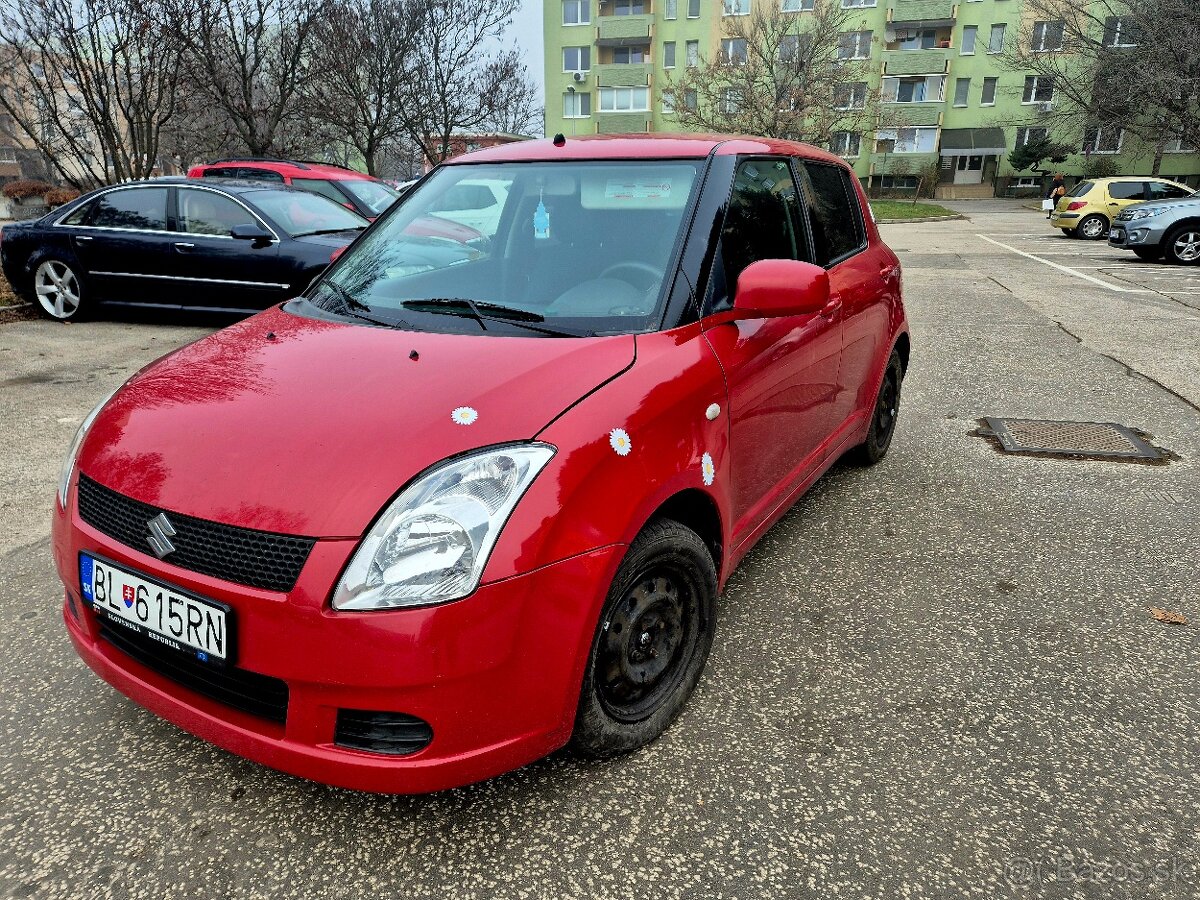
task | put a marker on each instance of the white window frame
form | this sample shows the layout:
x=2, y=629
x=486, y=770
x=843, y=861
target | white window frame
x=671, y=9
x=1099, y=132
x=858, y=4
x=1023, y=135
x=1118, y=31
x=673, y=54
x=1040, y=30
x=612, y=93
x=1027, y=181
x=974, y=32
x=582, y=7
x=918, y=130
x=857, y=95
x=994, y=81
x=727, y=50
x=798, y=5
x=1175, y=145
x=693, y=5
x=735, y=7
x=631, y=51
x=859, y=40
x=889, y=88
x=691, y=54
x=1033, y=84
x=843, y=142
x=580, y=52
x=964, y=83
x=578, y=102
x=992, y=49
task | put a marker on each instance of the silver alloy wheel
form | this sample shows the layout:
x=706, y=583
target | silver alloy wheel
x=57, y=289
x=1187, y=246
x=1092, y=227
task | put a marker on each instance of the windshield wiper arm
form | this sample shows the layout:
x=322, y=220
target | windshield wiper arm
x=522, y=318
x=329, y=231
x=350, y=303
x=452, y=306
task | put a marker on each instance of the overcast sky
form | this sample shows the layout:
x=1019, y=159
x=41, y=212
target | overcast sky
x=526, y=33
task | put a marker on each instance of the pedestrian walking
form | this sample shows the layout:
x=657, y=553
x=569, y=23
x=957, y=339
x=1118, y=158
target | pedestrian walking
x=1058, y=187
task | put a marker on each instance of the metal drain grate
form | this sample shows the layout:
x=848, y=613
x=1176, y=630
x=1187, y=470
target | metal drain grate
x=1102, y=440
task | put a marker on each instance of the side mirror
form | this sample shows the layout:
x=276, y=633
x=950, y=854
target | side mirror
x=250, y=232
x=780, y=287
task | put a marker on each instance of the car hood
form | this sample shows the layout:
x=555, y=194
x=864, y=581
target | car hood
x=332, y=239
x=301, y=426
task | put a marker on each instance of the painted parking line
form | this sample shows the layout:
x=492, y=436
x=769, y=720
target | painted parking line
x=1069, y=271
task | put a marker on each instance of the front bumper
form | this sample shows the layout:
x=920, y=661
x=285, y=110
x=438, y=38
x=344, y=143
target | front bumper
x=1125, y=235
x=496, y=675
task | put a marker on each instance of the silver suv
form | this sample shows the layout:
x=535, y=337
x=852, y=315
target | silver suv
x=1160, y=228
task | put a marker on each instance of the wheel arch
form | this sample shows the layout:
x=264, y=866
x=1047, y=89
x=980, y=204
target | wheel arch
x=903, y=346
x=697, y=510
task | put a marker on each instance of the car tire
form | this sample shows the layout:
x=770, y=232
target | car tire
x=651, y=642
x=58, y=292
x=1182, y=245
x=883, y=415
x=1149, y=254
x=1092, y=228
x=1068, y=232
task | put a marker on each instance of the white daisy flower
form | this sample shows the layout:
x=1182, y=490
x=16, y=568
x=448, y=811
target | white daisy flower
x=620, y=441
x=707, y=470
x=464, y=415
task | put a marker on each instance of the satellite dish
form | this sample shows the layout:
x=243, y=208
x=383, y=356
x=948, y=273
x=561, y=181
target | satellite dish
x=578, y=76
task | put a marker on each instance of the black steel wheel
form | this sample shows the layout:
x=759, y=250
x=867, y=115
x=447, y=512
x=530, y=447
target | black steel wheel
x=883, y=414
x=651, y=643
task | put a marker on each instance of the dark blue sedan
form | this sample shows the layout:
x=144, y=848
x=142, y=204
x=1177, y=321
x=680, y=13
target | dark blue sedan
x=172, y=243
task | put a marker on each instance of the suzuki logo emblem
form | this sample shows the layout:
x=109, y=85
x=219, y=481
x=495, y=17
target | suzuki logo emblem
x=161, y=532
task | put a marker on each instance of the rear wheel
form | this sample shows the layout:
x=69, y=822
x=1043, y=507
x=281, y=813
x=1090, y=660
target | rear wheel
x=57, y=291
x=1183, y=245
x=883, y=416
x=1068, y=232
x=1092, y=227
x=1150, y=254
x=650, y=646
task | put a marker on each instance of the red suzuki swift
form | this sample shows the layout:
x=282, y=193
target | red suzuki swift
x=464, y=503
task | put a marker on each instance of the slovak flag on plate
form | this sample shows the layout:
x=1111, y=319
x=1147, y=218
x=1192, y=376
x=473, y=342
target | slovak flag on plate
x=127, y=594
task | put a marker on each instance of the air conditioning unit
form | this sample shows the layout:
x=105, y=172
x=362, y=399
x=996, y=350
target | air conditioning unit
x=579, y=77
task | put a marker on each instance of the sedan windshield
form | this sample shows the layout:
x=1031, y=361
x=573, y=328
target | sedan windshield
x=300, y=213
x=374, y=195
x=579, y=247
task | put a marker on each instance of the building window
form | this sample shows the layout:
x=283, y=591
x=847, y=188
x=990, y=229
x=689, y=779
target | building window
x=628, y=7
x=693, y=9
x=798, y=5
x=1031, y=135
x=996, y=39
x=577, y=12
x=845, y=143
x=1047, y=36
x=898, y=182
x=625, y=99
x=962, y=90
x=854, y=45
x=857, y=4
x=970, y=32
x=916, y=39
x=1175, y=145
x=668, y=54
x=731, y=101
x=989, y=92
x=735, y=8
x=691, y=53
x=628, y=55
x=672, y=10
x=733, y=50
x=1038, y=89
x=577, y=106
x=906, y=140
x=689, y=99
x=850, y=95
x=1103, y=140
x=1118, y=32
x=9, y=154
x=577, y=59
x=913, y=89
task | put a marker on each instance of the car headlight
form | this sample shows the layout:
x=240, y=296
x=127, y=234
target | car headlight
x=1144, y=213
x=68, y=466
x=432, y=542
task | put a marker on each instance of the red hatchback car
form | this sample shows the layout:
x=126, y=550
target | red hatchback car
x=460, y=505
x=367, y=196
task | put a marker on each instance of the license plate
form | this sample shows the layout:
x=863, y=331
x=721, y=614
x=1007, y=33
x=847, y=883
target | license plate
x=200, y=628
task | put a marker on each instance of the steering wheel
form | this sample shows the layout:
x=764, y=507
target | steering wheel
x=645, y=269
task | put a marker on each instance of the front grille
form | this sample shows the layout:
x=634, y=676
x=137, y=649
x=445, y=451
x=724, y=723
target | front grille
x=259, y=559
x=258, y=695
x=395, y=734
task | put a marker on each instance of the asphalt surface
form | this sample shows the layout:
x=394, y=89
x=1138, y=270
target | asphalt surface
x=935, y=678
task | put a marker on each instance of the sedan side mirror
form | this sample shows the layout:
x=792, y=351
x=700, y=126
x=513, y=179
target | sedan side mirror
x=780, y=287
x=250, y=232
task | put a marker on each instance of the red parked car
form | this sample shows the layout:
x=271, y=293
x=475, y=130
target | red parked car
x=456, y=507
x=367, y=196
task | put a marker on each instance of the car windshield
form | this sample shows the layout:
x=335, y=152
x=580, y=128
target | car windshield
x=300, y=213
x=375, y=195
x=580, y=247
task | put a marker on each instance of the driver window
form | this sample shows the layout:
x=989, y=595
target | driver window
x=206, y=212
x=762, y=222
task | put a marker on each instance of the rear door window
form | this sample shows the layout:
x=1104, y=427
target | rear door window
x=141, y=208
x=1127, y=190
x=207, y=212
x=321, y=186
x=837, y=223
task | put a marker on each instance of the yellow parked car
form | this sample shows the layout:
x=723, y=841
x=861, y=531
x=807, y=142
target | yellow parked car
x=1087, y=209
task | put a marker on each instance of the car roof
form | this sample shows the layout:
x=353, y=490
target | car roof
x=642, y=146
x=227, y=185
x=1117, y=179
x=293, y=168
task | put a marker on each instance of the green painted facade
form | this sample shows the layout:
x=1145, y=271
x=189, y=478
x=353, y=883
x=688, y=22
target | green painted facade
x=657, y=23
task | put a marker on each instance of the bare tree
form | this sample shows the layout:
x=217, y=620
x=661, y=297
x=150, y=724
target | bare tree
x=778, y=74
x=253, y=59
x=90, y=83
x=1131, y=64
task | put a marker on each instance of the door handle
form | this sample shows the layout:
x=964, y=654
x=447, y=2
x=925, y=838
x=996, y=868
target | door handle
x=82, y=237
x=830, y=309
x=181, y=246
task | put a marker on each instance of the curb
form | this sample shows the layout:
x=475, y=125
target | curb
x=918, y=221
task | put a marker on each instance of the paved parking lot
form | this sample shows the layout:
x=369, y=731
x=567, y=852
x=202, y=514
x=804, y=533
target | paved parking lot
x=937, y=678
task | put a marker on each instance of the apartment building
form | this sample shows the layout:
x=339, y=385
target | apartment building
x=945, y=100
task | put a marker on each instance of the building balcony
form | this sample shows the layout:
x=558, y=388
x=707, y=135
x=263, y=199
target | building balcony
x=622, y=74
x=624, y=31
x=916, y=62
x=912, y=12
x=900, y=115
x=622, y=122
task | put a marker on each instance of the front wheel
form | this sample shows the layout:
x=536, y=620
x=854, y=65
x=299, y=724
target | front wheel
x=57, y=290
x=1149, y=254
x=883, y=414
x=651, y=643
x=1092, y=227
x=1183, y=245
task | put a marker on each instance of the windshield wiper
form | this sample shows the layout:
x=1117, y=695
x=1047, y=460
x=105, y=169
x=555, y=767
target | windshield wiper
x=495, y=312
x=350, y=303
x=328, y=231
